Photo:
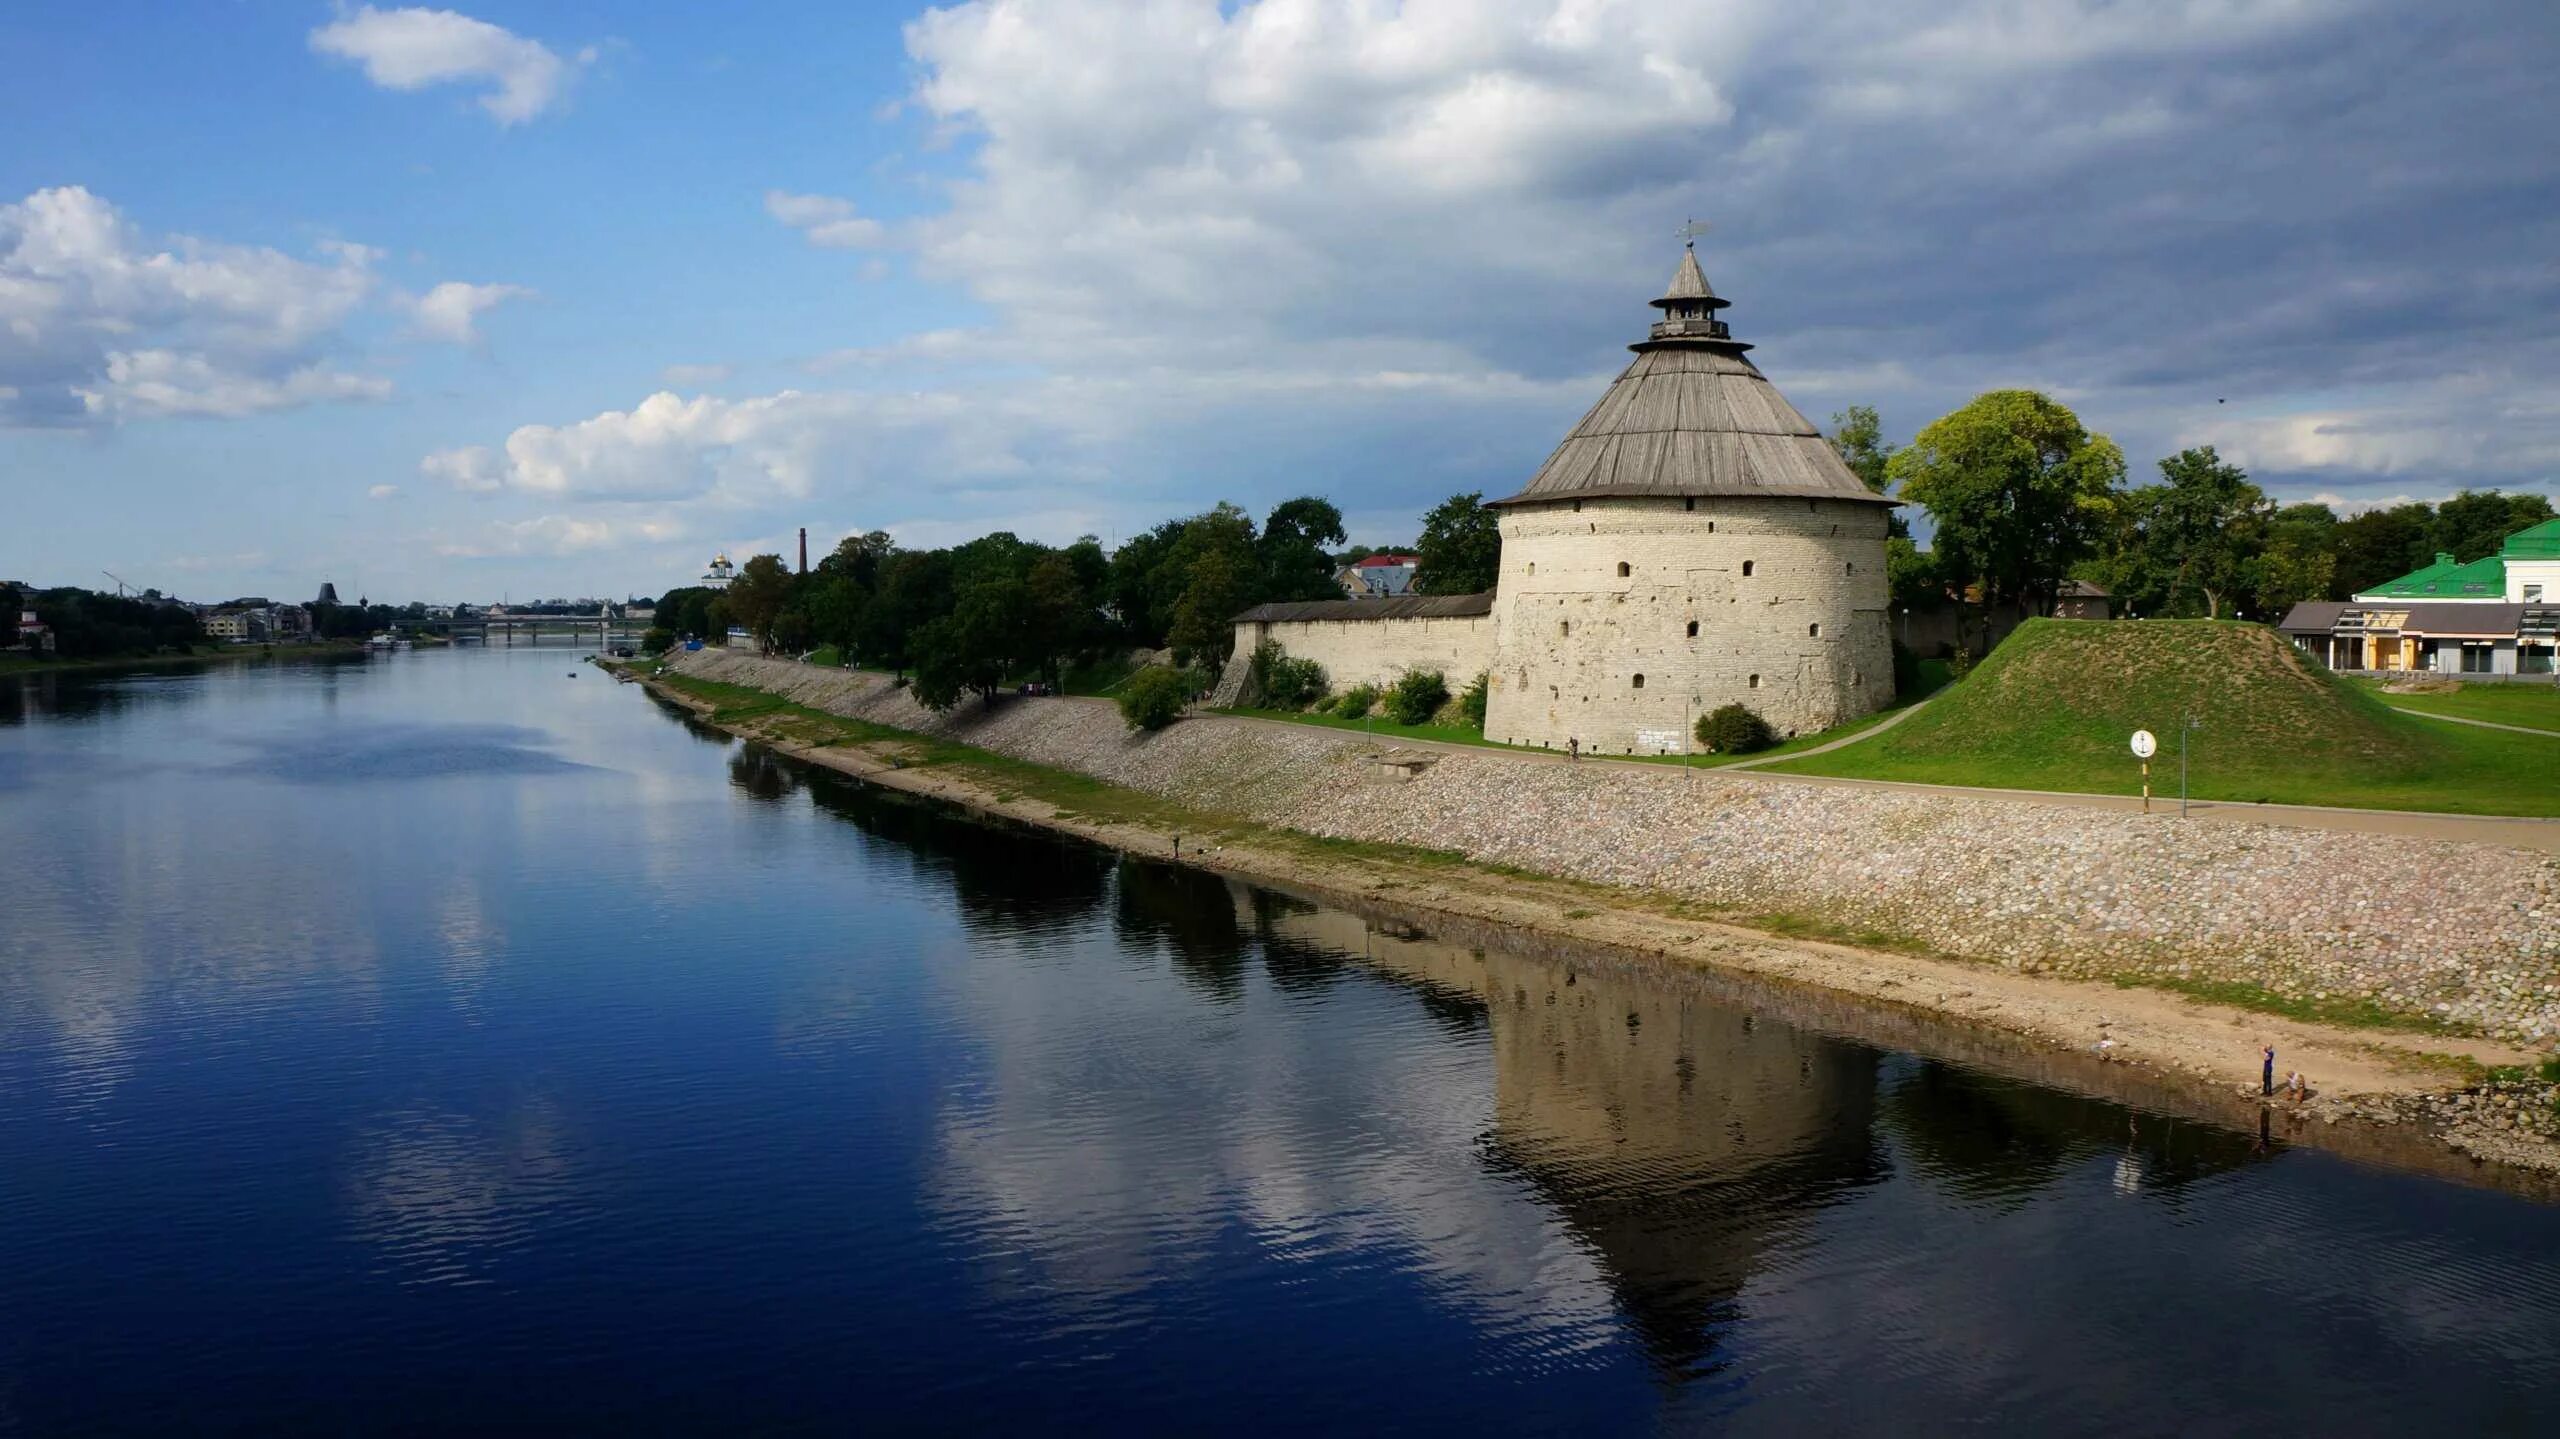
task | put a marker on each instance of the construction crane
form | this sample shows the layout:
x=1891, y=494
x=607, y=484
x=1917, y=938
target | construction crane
x=121, y=586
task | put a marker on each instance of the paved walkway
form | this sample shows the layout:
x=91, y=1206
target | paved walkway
x=1860, y=737
x=2484, y=724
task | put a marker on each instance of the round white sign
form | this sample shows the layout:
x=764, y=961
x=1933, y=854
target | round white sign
x=2144, y=746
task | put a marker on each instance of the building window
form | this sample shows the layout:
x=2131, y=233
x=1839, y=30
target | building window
x=2532, y=659
x=1577, y=507
x=1693, y=629
x=2476, y=659
x=1853, y=567
x=1639, y=682
x=1746, y=569
x=1564, y=627
x=1814, y=629
x=2533, y=594
x=1755, y=682
x=1689, y=502
x=1856, y=679
x=1711, y=527
x=1623, y=571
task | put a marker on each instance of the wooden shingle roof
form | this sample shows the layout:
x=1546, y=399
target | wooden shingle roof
x=1691, y=417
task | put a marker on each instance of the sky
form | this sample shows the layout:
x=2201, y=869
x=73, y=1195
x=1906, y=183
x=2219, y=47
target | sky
x=530, y=300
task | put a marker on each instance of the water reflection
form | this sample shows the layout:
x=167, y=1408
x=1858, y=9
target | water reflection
x=533, y=1097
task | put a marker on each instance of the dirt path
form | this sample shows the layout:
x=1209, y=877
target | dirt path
x=2484, y=724
x=2181, y=1040
x=1843, y=742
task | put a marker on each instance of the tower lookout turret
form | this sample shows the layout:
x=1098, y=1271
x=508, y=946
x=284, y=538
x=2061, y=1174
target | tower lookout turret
x=1689, y=311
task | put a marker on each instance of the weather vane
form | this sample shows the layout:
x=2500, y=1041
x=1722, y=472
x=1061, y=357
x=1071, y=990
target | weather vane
x=1690, y=232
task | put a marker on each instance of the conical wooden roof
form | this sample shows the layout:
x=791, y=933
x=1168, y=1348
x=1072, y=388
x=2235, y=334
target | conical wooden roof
x=1692, y=417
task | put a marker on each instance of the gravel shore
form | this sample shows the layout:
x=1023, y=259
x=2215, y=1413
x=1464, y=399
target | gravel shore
x=2467, y=932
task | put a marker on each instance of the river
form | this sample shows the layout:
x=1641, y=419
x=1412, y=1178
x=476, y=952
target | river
x=459, y=1040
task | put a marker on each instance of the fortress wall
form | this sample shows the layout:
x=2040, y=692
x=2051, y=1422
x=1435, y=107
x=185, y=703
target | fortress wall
x=1355, y=652
x=1574, y=634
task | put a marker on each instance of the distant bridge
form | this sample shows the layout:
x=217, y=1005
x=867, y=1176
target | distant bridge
x=603, y=630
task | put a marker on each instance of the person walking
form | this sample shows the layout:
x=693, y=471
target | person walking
x=1573, y=748
x=2267, y=1075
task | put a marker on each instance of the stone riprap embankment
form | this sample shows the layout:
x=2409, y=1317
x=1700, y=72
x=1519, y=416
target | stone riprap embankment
x=2468, y=932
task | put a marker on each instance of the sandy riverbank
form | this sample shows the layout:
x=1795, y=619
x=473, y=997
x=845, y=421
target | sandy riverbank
x=2208, y=1052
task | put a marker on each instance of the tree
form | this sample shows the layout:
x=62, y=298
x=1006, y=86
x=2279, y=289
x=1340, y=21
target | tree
x=2198, y=534
x=835, y=604
x=2379, y=546
x=1461, y=550
x=1734, y=729
x=2300, y=558
x=915, y=590
x=859, y=557
x=2018, y=492
x=970, y=650
x=2475, y=523
x=756, y=597
x=1204, y=618
x=1057, y=617
x=1153, y=697
x=1295, y=565
x=1857, y=436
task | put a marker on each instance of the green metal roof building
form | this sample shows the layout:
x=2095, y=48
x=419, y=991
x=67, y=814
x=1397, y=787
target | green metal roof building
x=2497, y=615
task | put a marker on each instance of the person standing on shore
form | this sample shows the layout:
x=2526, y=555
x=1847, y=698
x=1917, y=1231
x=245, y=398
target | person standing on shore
x=2267, y=1075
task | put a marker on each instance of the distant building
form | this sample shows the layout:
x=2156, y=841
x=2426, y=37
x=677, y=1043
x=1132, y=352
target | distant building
x=720, y=573
x=2081, y=600
x=328, y=594
x=2497, y=615
x=239, y=626
x=1378, y=577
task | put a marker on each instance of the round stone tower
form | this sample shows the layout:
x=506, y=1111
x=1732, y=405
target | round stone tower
x=1694, y=542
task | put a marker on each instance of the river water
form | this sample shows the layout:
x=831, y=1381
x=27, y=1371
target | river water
x=437, y=1041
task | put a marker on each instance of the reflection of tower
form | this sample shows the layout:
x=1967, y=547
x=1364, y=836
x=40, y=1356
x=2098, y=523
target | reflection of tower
x=1681, y=1139
x=717, y=577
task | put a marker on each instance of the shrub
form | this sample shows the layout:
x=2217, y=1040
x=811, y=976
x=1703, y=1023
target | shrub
x=655, y=640
x=1154, y=697
x=1734, y=729
x=1417, y=696
x=1472, y=703
x=1959, y=664
x=1356, y=701
x=1285, y=683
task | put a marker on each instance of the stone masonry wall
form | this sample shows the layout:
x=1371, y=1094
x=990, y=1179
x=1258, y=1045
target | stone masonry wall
x=1356, y=652
x=2306, y=912
x=1587, y=652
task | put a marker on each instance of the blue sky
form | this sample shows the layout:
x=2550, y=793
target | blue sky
x=561, y=298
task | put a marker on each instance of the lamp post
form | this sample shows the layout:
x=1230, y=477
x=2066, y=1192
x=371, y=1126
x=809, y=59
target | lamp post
x=2186, y=725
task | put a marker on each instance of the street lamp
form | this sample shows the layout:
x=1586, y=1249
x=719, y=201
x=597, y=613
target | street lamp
x=2186, y=725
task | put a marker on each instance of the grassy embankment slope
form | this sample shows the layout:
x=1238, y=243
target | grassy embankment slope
x=2055, y=705
x=2534, y=706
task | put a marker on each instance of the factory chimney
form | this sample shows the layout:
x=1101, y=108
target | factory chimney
x=804, y=549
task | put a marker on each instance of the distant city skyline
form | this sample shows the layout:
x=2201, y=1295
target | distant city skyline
x=438, y=304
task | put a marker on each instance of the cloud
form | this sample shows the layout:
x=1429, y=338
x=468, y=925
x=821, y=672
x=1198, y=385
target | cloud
x=693, y=377
x=472, y=468
x=825, y=221
x=381, y=492
x=1389, y=252
x=413, y=48
x=154, y=384
x=98, y=325
x=558, y=535
x=448, y=311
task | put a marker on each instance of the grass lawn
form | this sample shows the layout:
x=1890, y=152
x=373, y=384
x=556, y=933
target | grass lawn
x=2054, y=707
x=2535, y=706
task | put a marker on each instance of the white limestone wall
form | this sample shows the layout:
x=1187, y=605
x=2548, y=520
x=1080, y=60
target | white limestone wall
x=1788, y=599
x=1356, y=652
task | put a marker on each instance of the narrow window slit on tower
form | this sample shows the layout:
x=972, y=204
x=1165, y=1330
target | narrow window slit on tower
x=1693, y=629
x=1746, y=569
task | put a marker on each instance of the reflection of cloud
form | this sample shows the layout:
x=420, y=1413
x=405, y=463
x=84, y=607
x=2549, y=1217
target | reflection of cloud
x=404, y=751
x=467, y=943
x=1097, y=1160
x=443, y=1194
